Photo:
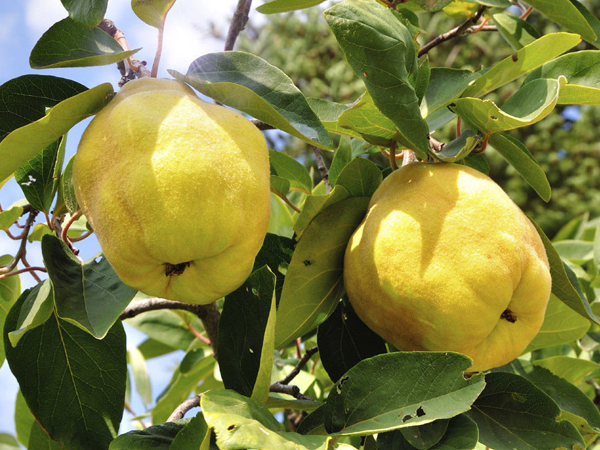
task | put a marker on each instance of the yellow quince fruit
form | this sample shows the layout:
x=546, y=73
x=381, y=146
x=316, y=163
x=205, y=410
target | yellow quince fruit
x=445, y=261
x=176, y=189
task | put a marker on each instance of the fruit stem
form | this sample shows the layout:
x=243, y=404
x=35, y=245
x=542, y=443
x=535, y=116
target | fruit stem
x=408, y=157
x=159, y=47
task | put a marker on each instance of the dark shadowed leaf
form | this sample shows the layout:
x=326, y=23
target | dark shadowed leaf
x=25, y=142
x=381, y=51
x=71, y=44
x=366, y=120
x=194, y=436
x=528, y=418
x=398, y=390
x=242, y=328
x=252, y=85
x=278, y=6
x=73, y=383
x=156, y=437
x=344, y=340
x=86, y=12
x=40, y=440
x=313, y=284
x=152, y=12
x=89, y=294
x=564, y=13
x=517, y=155
x=427, y=435
x=276, y=252
x=341, y=158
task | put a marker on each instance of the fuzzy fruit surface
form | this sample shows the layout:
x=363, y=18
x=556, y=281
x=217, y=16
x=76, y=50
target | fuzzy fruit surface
x=445, y=261
x=176, y=190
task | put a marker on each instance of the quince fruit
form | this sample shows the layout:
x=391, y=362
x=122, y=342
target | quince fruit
x=445, y=261
x=176, y=189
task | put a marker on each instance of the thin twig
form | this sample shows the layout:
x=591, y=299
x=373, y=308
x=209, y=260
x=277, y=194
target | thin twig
x=460, y=30
x=294, y=391
x=25, y=270
x=261, y=125
x=239, y=21
x=182, y=409
x=284, y=387
x=305, y=358
x=322, y=167
x=287, y=201
x=22, y=248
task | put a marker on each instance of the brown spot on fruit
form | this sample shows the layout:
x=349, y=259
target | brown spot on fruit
x=175, y=269
x=509, y=315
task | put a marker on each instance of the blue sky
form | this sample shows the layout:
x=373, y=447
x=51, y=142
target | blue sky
x=186, y=37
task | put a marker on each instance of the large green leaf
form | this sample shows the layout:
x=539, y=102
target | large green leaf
x=167, y=327
x=523, y=61
x=517, y=32
x=564, y=13
x=86, y=12
x=242, y=332
x=288, y=168
x=344, y=340
x=10, y=289
x=139, y=372
x=278, y=6
x=38, y=305
x=530, y=104
x=561, y=326
x=445, y=85
x=252, y=85
x=582, y=71
x=156, y=437
x=25, y=142
x=526, y=420
x=153, y=12
x=571, y=369
x=366, y=120
x=71, y=44
x=398, y=390
x=90, y=294
x=591, y=19
x=40, y=440
x=432, y=5
x=23, y=419
x=73, y=383
x=381, y=51
x=314, y=284
x=10, y=216
x=517, y=155
x=194, y=436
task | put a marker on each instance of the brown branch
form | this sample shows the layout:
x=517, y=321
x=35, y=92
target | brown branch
x=239, y=21
x=294, y=391
x=208, y=314
x=182, y=409
x=26, y=269
x=287, y=201
x=322, y=167
x=262, y=125
x=22, y=248
x=458, y=31
x=309, y=354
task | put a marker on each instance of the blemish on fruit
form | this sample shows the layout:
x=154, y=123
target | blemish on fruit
x=507, y=314
x=176, y=269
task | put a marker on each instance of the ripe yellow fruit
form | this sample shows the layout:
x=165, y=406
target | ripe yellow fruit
x=445, y=261
x=176, y=189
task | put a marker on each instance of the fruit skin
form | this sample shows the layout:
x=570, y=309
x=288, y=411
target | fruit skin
x=445, y=261
x=176, y=189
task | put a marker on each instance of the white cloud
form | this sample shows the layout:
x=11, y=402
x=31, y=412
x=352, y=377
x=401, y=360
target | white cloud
x=41, y=15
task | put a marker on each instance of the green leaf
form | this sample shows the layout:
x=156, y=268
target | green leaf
x=445, y=85
x=243, y=327
x=10, y=290
x=194, y=433
x=341, y=158
x=39, y=177
x=278, y=6
x=582, y=71
x=398, y=390
x=578, y=252
x=517, y=155
x=568, y=397
x=361, y=178
x=382, y=53
x=252, y=85
x=9, y=217
x=462, y=434
x=89, y=294
x=573, y=229
x=25, y=142
x=368, y=122
x=24, y=99
x=288, y=168
x=591, y=19
x=573, y=370
x=24, y=420
x=564, y=13
x=279, y=185
x=561, y=326
x=423, y=78
x=517, y=32
x=242, y=423
x=152, y=12
x=314, y=284
x=166, y=327
x=183, y=381
x=523, y=61
x=66, y=191
x=156, y=437
x=73, y=383
x=40, y=440
x=526, y=420
x=86, y=12
x=38, y=305
x=8, y=442
x=344, y=340
x=70, y=44
x=530, y=104
x=460, y=147
x=139, y=370
x=425, y=436
x=432, y=5
x=564, y=282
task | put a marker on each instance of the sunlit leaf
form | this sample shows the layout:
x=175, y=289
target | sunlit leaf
x=287, y=167
x=564, y=13
x=152, y=12
x=517, y=32
x=278, y=6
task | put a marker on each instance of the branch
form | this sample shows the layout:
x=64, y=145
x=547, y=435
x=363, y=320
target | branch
x=239, y=21
x=262, y=125
x=208, y=314
x=309, y=353
x=294, y=391
x=458, y=31
x=22, y=250
x=182, y=409
x=321, y=166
